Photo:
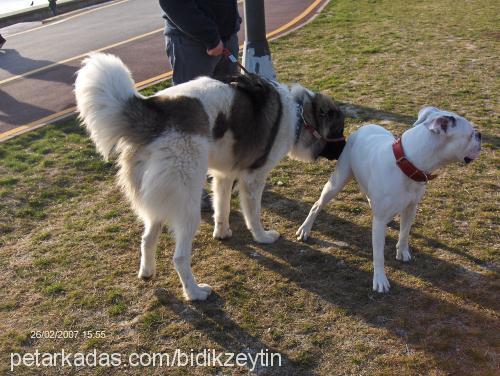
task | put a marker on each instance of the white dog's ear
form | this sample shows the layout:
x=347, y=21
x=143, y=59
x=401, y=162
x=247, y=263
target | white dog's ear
x=425, y=113
x=441, y=124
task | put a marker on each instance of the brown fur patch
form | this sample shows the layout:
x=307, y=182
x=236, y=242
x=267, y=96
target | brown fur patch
x=149, y=117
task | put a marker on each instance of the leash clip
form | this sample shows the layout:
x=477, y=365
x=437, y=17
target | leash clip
x=228, y=55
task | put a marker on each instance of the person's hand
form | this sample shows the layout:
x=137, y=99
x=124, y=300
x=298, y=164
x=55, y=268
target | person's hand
x=216, y=51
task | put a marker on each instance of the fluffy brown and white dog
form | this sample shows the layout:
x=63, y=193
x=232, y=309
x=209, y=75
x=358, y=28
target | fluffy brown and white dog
x=167, y=142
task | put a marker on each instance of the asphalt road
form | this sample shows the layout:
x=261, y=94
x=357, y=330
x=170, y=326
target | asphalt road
x=37, y=65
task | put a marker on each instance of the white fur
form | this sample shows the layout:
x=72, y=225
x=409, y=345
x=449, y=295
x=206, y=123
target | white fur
x=368, y=157
x=103, y=79
x=164, y=178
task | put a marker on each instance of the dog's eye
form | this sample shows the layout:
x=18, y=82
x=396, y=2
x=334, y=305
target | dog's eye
x=327, y=114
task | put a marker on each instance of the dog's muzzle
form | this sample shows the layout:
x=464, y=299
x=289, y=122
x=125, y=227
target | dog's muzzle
x=332, y=150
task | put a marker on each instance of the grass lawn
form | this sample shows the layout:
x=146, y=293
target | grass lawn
x=69, y=243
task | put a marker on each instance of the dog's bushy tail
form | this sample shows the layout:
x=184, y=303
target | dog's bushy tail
x=103, y=89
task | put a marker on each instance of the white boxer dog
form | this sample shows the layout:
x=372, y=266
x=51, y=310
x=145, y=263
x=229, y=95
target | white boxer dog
x=393, y=174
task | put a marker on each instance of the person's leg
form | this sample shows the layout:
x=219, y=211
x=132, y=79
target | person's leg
x=189, y=59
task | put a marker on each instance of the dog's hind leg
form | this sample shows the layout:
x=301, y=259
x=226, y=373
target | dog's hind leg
x=406, y=220
x=184, y=228
x=338, y=180
x=184, y=213
x=251, y=188
x=170, y=192
x=221, y=187
x=150, y=237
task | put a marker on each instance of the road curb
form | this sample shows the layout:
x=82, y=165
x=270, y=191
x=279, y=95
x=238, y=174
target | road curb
x=42, y=12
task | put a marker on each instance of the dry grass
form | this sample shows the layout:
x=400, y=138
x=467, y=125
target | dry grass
x=69, y=242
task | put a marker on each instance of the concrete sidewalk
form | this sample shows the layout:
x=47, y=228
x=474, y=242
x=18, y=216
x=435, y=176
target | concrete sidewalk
x=41, y=12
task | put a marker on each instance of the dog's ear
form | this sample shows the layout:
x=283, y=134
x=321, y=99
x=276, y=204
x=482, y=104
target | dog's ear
x=425, y=113
x=328, y=115
x=441, y=124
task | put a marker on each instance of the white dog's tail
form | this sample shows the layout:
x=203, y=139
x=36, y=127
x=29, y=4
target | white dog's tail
x=104, y=90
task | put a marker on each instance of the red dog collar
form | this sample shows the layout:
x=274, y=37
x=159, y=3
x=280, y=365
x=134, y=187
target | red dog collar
x=406, y=166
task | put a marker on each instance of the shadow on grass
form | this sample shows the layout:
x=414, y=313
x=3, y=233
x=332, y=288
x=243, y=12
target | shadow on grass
x=420, y=319
x=357, y=111
x=439, y=272
x=211, y=318
x=492, y=139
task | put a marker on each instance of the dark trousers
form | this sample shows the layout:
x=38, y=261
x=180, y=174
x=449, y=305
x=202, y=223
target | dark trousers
x=189, y=59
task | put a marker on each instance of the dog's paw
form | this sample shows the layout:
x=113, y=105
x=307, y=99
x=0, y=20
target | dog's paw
x=303, y=232
x=146, y=273
x=222, y=233
x=380, y=282
x=403, y=253
x=198, y=292
x=267, y=237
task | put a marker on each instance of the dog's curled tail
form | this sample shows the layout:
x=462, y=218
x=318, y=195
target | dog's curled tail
x=103, y=88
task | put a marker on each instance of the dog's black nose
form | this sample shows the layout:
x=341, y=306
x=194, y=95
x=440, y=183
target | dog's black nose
x=478, y=135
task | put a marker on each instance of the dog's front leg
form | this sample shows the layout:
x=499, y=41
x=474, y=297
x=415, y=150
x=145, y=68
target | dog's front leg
x=379, y=229
x=406, y=220
x=329, y=191
x=221, y=187
x=251, y=188
x=333, y=186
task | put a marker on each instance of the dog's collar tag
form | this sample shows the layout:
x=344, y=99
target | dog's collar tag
x=408, y=168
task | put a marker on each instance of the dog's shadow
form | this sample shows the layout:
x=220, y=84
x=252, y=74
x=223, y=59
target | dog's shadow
x=211, y=318
x=314, y=267
x=364, y=113
x=439, y=272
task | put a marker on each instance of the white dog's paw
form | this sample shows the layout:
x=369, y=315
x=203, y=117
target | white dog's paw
x=303, y=232
x=267, y=237
x=198, y=292
x=380, y=282
x=146, y=273
x=222, y=233
x=403, y=253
